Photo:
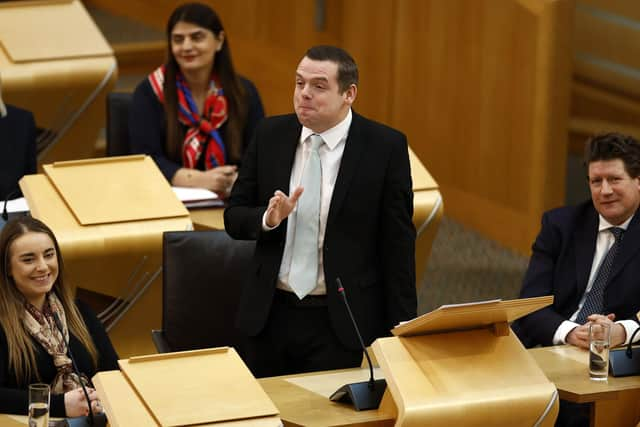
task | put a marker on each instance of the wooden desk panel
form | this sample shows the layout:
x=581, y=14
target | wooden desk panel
x=615, y=402
x=298, y=406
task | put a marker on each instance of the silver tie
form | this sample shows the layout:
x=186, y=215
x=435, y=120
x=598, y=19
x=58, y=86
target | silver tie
x=303, y=275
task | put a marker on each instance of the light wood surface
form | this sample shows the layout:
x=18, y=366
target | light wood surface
x=300, y=399
x=55, y=41
x=485, y=106
x=52, y=50
x=224, y=390
x=124, y=407
x=473, y=315
x=605, y=92
x=470, y=378
x=615, y=402
x=448, y=367
x=114, y=189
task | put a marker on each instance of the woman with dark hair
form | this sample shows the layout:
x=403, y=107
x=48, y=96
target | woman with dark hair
x=194, y=115
x=40, y=322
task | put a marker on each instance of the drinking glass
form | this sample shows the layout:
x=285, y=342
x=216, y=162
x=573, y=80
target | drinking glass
x=39, y=405
x=599, y=341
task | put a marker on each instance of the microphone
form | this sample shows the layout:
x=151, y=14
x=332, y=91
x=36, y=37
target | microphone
x=627, y=362
x=367, y=394
x=5, y=214
x=101, y=419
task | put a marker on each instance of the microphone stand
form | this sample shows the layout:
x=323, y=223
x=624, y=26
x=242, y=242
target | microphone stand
x=99, y=420
x=5, y=214
x=367, y=394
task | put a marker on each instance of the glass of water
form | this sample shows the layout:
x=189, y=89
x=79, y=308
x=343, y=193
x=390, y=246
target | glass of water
x=599, y=341
x=39, y=405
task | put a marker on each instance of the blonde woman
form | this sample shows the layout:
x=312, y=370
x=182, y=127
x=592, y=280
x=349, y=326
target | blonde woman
x=40, y=323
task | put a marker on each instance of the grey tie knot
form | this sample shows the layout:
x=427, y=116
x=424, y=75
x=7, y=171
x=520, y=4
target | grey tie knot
x=316, y=141
x=617, y=232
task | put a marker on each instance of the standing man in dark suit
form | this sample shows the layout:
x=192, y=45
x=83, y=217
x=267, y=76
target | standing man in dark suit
x=327, y=194
x=17, y=148
x=588, y=256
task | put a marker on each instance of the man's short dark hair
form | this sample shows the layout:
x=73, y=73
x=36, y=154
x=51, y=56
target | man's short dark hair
x=347, y=68
x=611, y=146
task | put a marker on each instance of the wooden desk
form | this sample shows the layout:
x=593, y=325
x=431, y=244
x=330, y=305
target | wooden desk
x=303, y=400
x=614, y=403
x=13, y=420
x=303, y=403
x=207, y=218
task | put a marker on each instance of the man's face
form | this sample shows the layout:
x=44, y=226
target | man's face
x=615, y=194
x=317, y=100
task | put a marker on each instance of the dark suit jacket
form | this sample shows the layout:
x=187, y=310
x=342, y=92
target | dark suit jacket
x=560, y=266
x=17, y=149
x=369, y=239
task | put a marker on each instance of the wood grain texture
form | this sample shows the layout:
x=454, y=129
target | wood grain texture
x=485, y=102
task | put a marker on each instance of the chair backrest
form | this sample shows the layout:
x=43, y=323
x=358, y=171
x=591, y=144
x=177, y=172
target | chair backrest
x=203, y=274
x=118, y=104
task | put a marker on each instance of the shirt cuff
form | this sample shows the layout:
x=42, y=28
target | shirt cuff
x=265, y=227
x=560, y=337
x=630, y=327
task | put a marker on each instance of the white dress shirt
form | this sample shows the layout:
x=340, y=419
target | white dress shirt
x=330, y=157
x=604, y=241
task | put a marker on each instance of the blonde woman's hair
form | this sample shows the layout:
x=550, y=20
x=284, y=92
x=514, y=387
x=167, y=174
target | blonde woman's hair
x=22, y=351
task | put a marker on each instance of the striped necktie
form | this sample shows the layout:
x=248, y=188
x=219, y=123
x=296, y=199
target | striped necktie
x=593, y=304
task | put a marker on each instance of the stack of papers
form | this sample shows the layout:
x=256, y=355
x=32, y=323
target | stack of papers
x=197, y=197
x=17, y=205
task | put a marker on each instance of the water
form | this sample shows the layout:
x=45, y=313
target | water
x=599, y=360
x=38, y=414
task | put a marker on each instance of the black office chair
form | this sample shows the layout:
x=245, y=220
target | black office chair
x=118, y=104
x=203, y=274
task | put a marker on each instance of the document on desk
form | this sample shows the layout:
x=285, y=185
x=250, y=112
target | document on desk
x=326, y=384
x=197, y=197
x=17, y=205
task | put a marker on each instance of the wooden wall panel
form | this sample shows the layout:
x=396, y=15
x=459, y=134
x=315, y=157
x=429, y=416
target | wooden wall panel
x=606, y=72
x=367, y=34
x=482, y=86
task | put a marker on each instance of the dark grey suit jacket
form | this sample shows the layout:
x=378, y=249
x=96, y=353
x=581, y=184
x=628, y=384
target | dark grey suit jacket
x=369, y=240
x=560, y=266
x=17, y=150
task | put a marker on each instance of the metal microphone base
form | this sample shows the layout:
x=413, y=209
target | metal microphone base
x=361, y=395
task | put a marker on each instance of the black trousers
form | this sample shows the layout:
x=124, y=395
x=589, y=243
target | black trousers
x=298, y=338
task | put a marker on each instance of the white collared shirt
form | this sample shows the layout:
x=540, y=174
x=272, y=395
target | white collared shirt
x=604, y=241
x=330, y=158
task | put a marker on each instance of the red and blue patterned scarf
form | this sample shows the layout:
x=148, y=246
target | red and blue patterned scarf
x=201, y=128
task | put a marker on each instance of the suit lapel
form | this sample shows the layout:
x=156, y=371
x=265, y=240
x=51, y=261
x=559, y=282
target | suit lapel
x=283, y=157
x=353, y=150
x=630, y=246
x=585, y=244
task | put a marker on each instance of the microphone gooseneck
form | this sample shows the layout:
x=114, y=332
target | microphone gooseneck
x=58, y=322
x=5, y=214
x=629, y=351
x=355, y=326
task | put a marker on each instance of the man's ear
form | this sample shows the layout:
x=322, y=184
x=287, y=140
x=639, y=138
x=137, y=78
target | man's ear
x=351, y=93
